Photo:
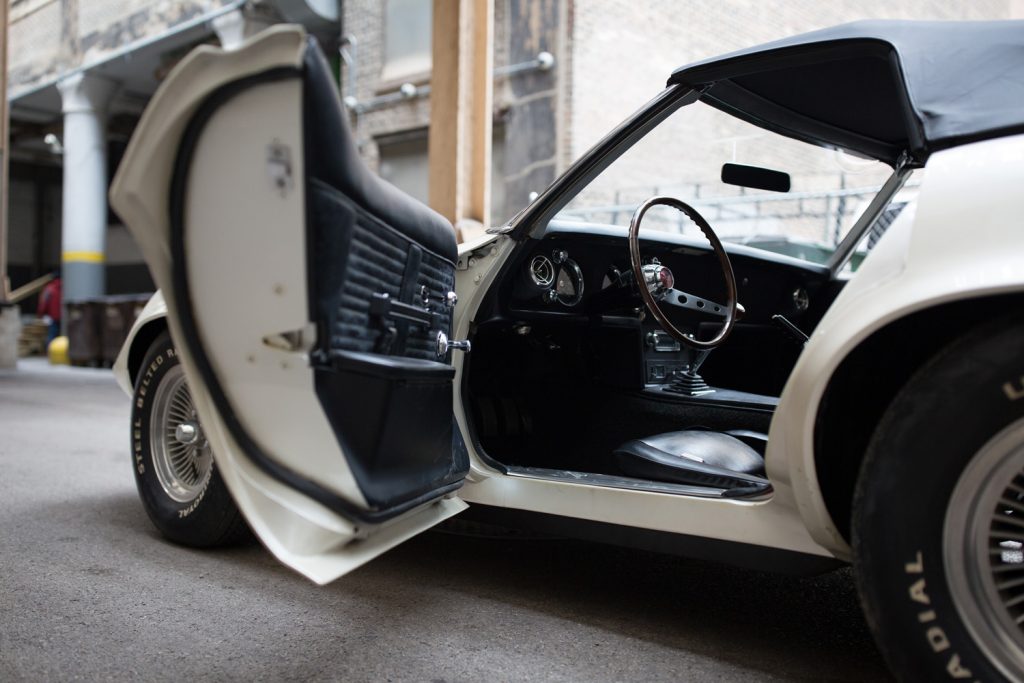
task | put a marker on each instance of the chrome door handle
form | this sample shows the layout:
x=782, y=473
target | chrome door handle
x=444, y=345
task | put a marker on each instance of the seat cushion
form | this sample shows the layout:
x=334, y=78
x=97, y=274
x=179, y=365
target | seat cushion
x=691, y=457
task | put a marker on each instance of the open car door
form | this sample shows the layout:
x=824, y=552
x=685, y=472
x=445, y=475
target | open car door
x=309, y=302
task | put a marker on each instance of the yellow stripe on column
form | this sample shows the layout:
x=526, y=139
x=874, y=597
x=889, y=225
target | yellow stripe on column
x=83, y=257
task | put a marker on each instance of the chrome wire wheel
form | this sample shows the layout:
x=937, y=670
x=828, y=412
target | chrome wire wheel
x=182, y=456
x=983, y=546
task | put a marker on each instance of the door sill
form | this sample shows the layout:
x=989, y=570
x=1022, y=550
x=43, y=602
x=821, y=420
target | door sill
x=627, y=483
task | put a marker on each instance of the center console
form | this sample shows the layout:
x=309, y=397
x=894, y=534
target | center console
x=666, y=365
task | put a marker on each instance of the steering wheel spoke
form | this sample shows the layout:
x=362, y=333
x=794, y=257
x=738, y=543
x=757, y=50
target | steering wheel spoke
x=657, y=285
x=691, y=302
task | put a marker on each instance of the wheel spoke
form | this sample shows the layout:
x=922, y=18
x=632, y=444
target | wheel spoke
x=1009, y=520
x=1014, y=601
x=178, y=464
x=180, y=414
x=984, y=544
x=1012, y=504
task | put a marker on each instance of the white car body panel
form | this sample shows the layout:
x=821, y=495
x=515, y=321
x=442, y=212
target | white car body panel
x=963, y=241
x=940, y=250
x=155, y=310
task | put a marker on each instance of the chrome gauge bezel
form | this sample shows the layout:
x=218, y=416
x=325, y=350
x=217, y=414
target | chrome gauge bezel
x=538, y=264
x=577, y=276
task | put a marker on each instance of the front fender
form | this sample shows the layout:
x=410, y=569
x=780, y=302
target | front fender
x=154, y=312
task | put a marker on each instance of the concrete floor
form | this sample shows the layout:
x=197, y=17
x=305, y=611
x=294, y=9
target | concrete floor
x=89, y=591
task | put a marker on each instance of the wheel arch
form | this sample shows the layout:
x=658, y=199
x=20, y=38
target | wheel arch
x=868, y=379
x=141, y=341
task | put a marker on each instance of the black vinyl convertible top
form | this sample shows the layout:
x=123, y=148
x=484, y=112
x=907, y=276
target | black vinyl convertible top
x=876, y=88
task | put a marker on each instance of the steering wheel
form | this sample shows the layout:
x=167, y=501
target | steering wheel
x=657, y=285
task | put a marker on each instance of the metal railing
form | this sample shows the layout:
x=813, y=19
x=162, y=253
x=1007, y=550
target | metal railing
x=544, y=61
x=821, y=216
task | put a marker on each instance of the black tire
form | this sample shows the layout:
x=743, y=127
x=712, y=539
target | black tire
x=202, y=515
x=942, y=421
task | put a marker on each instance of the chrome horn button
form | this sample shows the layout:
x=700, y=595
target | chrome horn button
x=658, y=278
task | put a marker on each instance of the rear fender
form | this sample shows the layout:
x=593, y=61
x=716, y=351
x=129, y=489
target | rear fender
x=962, y=241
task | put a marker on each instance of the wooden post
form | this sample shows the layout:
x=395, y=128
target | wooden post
x=5, y=285
x=461, y=87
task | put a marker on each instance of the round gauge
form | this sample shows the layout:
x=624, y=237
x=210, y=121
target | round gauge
x=569, y=283
x=801, y=299
x=566, y=286
x=612, y=278
x=542, y=271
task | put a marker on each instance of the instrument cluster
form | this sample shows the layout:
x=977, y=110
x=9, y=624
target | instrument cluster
x=556, y=278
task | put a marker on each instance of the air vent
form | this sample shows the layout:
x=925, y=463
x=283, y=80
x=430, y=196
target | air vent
x=542, y=271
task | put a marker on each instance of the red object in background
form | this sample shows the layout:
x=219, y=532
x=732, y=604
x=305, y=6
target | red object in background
x=49, y=300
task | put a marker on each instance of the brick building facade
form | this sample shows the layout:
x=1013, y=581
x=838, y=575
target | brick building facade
x=566, y=72
x=392, y=130
x=610, y=57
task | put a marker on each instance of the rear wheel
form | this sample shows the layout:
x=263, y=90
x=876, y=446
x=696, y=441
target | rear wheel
x=179, y=485
x=938, y=523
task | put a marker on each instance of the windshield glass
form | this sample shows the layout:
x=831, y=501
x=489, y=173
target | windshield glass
x=683, y=157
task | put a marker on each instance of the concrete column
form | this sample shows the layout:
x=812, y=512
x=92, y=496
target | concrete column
x=84, y=232
x=10, y=330
x=237, y=25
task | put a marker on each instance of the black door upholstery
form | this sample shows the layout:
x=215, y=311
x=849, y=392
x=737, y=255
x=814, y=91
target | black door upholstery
x=385, y=391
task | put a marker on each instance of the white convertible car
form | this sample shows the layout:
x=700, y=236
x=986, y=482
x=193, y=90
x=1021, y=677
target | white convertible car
x=343, y=377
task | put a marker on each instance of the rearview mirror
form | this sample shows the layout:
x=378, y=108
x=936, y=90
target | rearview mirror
x=755, y=177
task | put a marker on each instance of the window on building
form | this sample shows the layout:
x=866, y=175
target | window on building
x=407, y=38
x=404, y=164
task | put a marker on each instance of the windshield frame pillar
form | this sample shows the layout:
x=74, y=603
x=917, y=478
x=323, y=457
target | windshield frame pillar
x=895, y=182
x=534, y=218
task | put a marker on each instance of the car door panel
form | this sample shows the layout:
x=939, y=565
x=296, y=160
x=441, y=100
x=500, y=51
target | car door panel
x=388, y=397
x=330, y=421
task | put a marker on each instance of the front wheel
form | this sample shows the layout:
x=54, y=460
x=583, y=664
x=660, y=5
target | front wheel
x=180, y=487
x=938, y=519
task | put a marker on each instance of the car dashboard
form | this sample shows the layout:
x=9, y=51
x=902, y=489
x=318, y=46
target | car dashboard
x=579, y=277
x=567, y=363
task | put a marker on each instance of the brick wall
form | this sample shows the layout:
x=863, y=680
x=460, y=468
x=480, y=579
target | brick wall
x=623, y=50
x=612, y=56
x=51, y=36
x=524, y=104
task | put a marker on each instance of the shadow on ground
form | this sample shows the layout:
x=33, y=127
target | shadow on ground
x=755, y=620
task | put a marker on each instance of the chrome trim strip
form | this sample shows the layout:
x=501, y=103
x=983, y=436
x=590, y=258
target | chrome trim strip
x=611, y=481
x=844, y=251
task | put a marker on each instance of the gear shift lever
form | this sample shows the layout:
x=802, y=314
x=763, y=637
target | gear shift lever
x=689, y=382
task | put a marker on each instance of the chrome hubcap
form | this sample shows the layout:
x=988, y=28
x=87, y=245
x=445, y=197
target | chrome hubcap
x=187, y=433
x=983, y=549
x=181, y=454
